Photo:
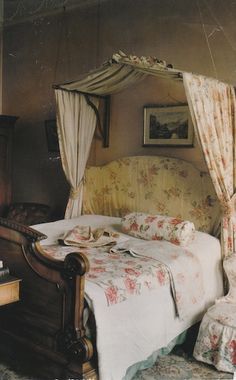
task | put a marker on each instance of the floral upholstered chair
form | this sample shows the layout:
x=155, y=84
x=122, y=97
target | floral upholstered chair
x=216, y=342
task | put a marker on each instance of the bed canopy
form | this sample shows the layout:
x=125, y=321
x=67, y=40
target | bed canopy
x=212, y=106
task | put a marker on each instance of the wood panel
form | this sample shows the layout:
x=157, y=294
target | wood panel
x=7, y=124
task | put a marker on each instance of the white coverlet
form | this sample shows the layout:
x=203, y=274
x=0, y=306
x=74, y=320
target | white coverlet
x=183, y=268
x=130, y=331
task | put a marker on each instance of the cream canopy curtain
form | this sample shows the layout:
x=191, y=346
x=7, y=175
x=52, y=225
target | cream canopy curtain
x=76, y=122
x=120, y=72
x=107, y=80
x=213, y=109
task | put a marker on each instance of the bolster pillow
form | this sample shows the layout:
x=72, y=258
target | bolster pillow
x=158, y=227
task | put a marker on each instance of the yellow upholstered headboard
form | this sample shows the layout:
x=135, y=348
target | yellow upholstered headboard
x=152, y=184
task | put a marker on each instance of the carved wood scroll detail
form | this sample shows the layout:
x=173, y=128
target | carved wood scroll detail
x=28, y=232
x=72, y=339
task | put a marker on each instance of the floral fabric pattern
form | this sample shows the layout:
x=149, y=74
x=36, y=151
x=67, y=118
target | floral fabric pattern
x=183, y=266
x=216, y=342
x=155, y=185
x=120, y=275
x=229, y=265
x=141, y=266
x=158, y=227
x=213, y=109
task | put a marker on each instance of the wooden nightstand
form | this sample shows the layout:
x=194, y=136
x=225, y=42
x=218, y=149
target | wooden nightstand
x=9, y=290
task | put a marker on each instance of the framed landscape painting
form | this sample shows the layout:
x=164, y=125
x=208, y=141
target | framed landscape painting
x=167, y=126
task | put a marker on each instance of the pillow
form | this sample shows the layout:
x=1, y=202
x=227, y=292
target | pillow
x=158, y=227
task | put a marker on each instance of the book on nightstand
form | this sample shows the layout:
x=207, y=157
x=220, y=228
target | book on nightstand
x=9, y=289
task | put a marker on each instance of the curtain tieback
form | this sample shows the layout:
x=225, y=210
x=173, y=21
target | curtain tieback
x=75, y=192
x=229, y=208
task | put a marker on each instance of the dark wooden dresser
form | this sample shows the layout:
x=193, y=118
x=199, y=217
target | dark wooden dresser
x=7, y=124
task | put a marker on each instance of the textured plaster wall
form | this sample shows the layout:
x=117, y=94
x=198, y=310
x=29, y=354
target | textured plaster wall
x=60, y=47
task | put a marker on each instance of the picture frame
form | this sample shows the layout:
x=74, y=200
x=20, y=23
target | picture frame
x=51, y=134
x=167, y=125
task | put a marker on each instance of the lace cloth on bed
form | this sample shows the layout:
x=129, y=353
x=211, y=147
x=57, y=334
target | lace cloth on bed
x=130, y=268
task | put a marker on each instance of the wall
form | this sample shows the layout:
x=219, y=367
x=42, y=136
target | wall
x=59, y=47
x=126, y=131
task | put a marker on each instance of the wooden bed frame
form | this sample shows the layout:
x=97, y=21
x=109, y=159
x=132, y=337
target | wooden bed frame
x=46, y=327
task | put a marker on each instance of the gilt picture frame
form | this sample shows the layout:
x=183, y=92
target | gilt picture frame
x=169, y=125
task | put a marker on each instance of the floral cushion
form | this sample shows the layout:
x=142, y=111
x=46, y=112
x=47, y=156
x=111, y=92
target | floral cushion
x=216, y=342
x=158, y=227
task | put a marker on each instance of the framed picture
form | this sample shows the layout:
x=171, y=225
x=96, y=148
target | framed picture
x=167, y=126
x=51, y=134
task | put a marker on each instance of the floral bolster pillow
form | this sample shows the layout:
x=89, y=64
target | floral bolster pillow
x=158, y=227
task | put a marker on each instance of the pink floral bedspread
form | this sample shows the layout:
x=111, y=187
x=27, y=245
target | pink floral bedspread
x=132, y=268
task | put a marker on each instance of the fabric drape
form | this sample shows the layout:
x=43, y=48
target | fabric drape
x=212, y=105
x=120, y=72
x=107, y=80
x=76, y=122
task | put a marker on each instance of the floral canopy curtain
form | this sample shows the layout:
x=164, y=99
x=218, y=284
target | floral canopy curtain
x=213, y=110
x=76, y=121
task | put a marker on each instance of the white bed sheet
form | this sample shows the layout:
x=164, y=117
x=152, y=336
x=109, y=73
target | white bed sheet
x=130, y=331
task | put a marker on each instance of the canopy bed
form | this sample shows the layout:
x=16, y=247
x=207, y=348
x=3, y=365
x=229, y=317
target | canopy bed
x=89, y=303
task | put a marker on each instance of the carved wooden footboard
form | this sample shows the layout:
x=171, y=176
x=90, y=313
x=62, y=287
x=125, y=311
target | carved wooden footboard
x=47, y=324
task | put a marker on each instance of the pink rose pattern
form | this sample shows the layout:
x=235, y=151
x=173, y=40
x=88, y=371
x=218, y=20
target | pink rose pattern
x=120, y=275
x=158, y=227
x=216, y=341
x=210, y=101
x=125, y=178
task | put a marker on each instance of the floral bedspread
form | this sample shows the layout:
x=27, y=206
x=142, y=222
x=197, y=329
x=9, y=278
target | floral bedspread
x=129, y=269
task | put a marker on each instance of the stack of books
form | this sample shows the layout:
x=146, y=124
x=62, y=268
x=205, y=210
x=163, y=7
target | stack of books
x=9, y=286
